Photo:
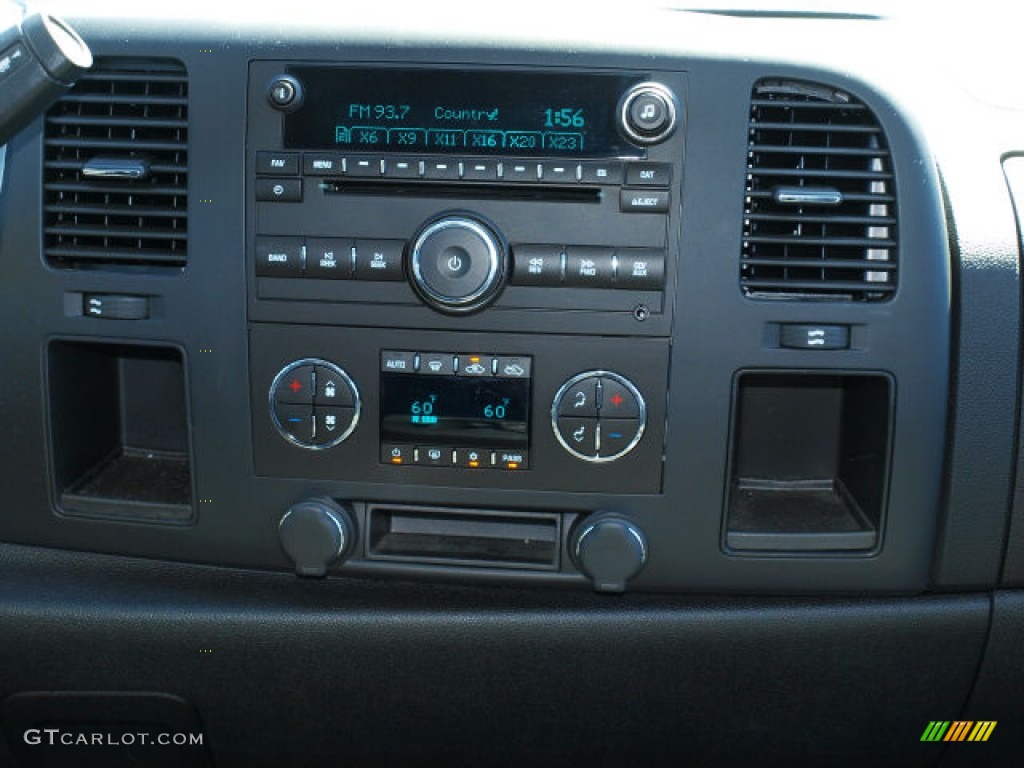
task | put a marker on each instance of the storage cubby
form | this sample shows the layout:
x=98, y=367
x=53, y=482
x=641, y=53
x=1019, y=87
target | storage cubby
x=120, y=431
x=810, y=458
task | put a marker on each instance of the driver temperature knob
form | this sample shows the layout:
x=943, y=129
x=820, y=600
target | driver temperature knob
x=610, y=549
x=316, y=533
x=458, y=263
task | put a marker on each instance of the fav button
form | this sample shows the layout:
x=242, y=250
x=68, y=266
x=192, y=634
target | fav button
x=277, y=163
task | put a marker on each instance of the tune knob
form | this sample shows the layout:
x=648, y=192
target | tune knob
x=610, y=550
x=648, y=113
x=315, y=533
x=458, y=263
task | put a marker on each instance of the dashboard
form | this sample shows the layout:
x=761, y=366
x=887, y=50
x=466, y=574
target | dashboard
x=535, y=393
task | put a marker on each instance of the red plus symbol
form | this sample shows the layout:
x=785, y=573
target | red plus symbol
x=617, y=400
x=295, y=386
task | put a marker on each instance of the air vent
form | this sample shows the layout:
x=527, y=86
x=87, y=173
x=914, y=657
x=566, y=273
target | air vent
x=820, y=214
x=116, y=169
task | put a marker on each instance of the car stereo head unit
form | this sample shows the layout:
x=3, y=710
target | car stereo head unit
x=389, y=195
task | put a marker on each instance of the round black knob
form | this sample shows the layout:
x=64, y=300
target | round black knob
x=285, y=93
x=315, y=533
x=457, y=263
x=648, y=113
x=610, y=550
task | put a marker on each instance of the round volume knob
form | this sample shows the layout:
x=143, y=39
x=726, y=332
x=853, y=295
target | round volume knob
x=610, y=550
x=457, y=263
x=315, y=533
x=648, y=113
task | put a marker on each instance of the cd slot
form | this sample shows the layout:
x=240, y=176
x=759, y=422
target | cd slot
x=538, y=193
x=443, y=536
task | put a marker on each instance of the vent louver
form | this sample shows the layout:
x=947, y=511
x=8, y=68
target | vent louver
x=116, y=168
x=820, y=214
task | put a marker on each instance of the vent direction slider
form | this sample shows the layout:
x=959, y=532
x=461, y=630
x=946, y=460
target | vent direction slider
x=807, y=196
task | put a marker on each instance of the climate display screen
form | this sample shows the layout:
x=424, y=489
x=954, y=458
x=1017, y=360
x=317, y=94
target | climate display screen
x=459, y=112
x=457, y=411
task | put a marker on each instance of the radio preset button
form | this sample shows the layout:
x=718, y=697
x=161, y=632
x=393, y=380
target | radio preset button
x=441, y=170
x=403, y=168
x=558, y=173
x=279, y=190
x=481, y=170
x=644, y=200
x=322, y=164
x=277, y=163
x=329, y=257
x=649, y=174
x=589, y=267
x=278, y=256
x=537, y=265
x=368, y=167
x=526, y=172
x=397, y=362
x=640, y=269
x=379, y=259
x=579, y=435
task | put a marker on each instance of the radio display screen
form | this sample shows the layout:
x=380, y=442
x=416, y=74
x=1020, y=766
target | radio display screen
x=457, y=411
x=386, y=110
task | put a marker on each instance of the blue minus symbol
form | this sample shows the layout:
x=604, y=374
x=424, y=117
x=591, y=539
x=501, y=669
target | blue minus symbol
x=295, y=419
x=615, y=435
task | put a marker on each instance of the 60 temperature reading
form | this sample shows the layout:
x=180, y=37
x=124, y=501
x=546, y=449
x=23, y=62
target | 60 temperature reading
x=496, y=411
x=422, y=411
